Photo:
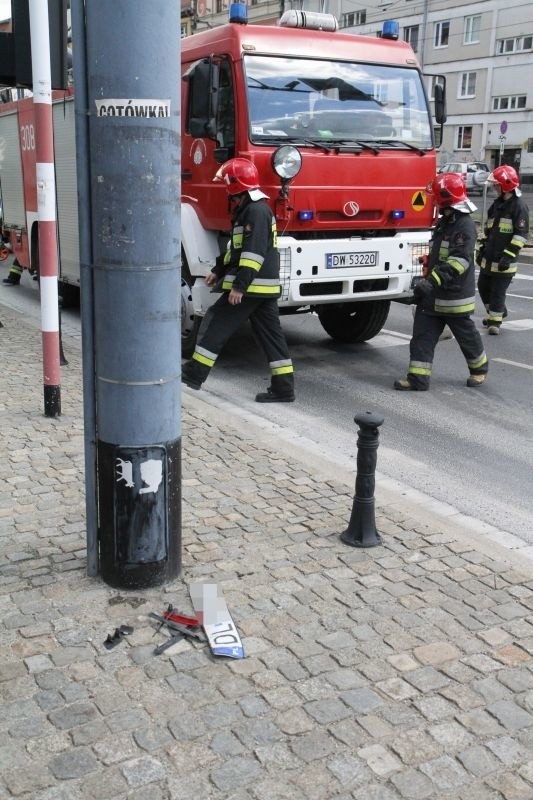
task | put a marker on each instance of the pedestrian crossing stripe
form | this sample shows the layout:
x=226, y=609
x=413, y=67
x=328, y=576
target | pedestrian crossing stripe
x=418, y=201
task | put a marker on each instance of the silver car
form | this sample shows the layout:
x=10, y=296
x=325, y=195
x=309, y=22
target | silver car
x=475, y=174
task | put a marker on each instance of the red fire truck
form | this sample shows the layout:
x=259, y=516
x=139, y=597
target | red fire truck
x=340, y=129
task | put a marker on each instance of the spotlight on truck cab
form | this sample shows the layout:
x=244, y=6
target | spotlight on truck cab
x=287, y=162
x=311, y=20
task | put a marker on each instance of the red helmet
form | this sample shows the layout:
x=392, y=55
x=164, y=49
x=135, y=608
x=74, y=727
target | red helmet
x=448, y=189
x=506, y=176
x=239, y=175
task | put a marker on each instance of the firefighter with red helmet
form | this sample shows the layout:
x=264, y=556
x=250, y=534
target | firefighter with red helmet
x=506, y=233
x=248, y=274
x=447, y=295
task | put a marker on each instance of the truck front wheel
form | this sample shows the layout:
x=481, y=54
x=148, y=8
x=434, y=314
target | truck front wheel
x=354, y=322
x=190, y=322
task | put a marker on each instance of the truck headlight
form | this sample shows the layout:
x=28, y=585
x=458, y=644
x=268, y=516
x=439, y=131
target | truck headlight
x=287, y=162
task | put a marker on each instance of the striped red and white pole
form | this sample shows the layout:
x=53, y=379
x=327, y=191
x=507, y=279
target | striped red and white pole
x=46, y=204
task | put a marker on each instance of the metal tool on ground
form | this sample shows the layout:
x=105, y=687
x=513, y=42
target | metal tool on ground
x=115, y=638
x=193, y=631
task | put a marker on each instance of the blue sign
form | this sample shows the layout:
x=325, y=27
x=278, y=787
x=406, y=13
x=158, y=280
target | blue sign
x=503, y=127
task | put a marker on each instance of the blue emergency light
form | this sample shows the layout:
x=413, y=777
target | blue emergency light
x=238, y=12
x=390, y=29
x=397, y=214
x=305, y=216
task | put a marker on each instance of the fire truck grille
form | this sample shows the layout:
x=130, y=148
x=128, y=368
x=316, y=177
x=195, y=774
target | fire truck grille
x=284, y=271
x=336, y=287
x=417, y=251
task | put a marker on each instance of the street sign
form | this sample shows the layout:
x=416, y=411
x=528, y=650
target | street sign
x=503, y=127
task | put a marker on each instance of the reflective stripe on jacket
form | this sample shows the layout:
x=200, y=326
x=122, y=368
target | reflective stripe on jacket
x=451, y=265
x=252, y=260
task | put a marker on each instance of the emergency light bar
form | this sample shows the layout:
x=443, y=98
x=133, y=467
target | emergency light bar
x=311, y=20
x=238, y=12
x=390, y=29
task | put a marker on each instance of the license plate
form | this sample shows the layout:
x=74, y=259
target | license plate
x=340, y=260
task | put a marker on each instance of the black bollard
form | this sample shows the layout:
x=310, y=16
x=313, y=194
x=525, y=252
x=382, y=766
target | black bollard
x=361, y=531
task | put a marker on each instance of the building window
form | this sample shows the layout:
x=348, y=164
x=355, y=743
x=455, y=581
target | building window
x=442, y=34
x=467, y=85
x=410, y=34
x=464, y=137
x=434, y=80
x=353, y=18
x=518, y=44
x=514, y=102
x=472, y=29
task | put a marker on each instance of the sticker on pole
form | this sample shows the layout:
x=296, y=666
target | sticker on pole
x=132, y=108
x=212, y=613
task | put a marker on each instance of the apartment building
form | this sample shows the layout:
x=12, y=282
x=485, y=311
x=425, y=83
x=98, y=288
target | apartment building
x=482, y=49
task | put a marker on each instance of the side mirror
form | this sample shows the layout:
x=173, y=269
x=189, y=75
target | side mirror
x=203, y=80
x=440, y=104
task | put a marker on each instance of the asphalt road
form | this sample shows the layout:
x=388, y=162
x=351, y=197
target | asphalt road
x=471, y=448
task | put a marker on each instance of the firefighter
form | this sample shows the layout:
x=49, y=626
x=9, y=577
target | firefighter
x=506, y=233
x=447, y=295
x=248, y=274
x=14, y=274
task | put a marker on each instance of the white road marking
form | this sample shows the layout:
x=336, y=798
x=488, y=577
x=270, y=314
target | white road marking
x=512, y=363
x=518, y=324
x=396, y=333
x=520, y=296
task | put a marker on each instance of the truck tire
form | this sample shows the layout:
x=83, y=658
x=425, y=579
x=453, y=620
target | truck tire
x=70, y=295
x=190, y=322
x=354, y=322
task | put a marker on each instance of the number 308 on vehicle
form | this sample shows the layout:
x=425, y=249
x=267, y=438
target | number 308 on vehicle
x=365, y=259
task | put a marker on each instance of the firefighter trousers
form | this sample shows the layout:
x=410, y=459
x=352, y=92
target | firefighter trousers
x=492, y=288
x=222, y=320
x=426, y=331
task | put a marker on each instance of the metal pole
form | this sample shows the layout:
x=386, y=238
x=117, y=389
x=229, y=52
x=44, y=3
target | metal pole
x=361, y=531
x=79, y=66
x=424, y=29
x=46, y=204
x=133, y=67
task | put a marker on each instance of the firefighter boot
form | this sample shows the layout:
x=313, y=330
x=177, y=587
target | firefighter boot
x=405, y=385
x=273, y=397
x=11, y=280
x=189, y=378
x=494, y=330
x=476, y=380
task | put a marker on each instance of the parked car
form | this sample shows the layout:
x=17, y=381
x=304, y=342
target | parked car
x=475, y=173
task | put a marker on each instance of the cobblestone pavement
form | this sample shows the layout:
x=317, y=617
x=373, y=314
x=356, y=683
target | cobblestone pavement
x=403, y=672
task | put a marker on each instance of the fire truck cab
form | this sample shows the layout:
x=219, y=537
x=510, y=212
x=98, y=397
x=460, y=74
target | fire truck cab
x=340, y=131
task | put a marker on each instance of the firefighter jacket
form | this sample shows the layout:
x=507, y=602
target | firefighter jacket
x=251, y=263
x=506, y=233
x=451, y=266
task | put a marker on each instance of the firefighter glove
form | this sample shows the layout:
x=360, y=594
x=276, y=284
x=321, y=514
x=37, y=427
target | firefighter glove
x=480, y=255
x=422, y=289
x=504, y=264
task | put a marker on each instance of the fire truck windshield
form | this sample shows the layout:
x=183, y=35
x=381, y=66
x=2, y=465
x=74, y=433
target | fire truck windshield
x=335, y=101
